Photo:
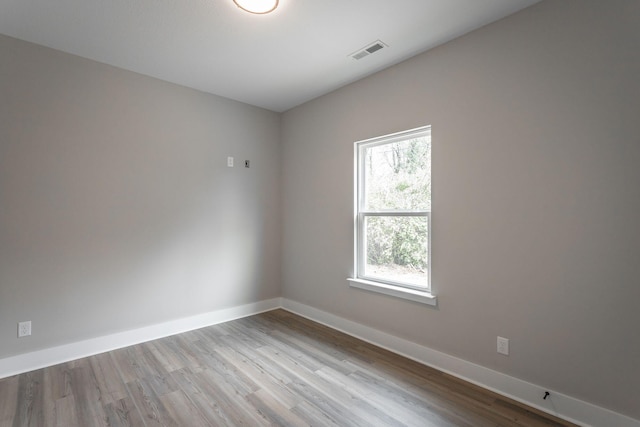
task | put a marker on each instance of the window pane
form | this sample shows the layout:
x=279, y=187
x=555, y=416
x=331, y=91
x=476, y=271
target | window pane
x=397, y=249
x=398, y=175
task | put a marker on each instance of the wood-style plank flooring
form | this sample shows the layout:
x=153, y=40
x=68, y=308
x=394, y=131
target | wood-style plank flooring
x=274, y=368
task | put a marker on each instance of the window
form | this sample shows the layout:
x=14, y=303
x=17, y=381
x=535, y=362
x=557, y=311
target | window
x=393, y=215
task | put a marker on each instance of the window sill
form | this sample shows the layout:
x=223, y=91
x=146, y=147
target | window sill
x=423, y=297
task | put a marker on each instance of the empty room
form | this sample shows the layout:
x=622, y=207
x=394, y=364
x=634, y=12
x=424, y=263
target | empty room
x=319, y=213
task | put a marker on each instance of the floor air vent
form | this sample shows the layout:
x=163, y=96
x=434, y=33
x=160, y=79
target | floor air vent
x=372, y=48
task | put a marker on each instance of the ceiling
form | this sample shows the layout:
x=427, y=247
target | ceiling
x=274, y=61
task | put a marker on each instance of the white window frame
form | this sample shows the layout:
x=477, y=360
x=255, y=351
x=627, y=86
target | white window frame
x=376, y=284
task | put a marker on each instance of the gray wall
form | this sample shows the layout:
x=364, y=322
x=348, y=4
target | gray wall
x=536, y=175
x=117, y=209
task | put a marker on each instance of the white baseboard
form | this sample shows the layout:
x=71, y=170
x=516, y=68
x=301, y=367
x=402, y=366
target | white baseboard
x=560, y=405
x=52, y=356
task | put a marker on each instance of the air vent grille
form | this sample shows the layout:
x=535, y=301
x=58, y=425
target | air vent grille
x=376, y=47
x=368, y=50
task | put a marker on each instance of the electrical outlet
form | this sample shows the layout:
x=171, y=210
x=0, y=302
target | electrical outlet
x=503, y=346
x=230, y=162
x=24, y=329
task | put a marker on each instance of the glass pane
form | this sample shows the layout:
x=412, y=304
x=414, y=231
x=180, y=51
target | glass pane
x=398, y=175
x=397, y=249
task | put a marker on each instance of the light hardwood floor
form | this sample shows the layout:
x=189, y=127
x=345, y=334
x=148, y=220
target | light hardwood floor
x=274, y=368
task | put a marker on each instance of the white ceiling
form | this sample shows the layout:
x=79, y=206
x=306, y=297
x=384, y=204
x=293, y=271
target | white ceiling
x=275, y=61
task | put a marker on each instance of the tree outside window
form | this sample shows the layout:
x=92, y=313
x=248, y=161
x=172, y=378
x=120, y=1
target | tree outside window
x=394, y=209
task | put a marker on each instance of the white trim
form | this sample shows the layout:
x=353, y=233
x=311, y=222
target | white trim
x=424, y=297
x=558, y=404
x=397, y=136
x=27, y=362
x=362, y=280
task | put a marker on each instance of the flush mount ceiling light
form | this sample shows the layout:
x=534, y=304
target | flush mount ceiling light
x=259, y=7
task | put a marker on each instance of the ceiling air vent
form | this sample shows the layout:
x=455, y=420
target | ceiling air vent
x=368, y=50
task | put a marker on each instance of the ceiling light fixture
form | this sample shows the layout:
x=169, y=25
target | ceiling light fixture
x=259, y=7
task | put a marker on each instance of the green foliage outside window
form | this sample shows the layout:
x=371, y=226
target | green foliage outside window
x=398, y=177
